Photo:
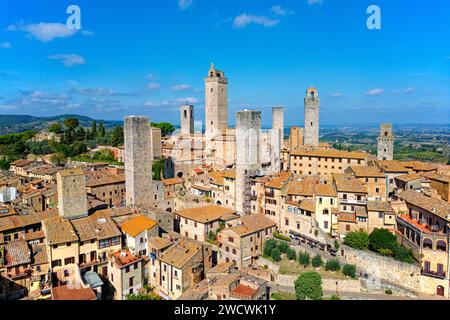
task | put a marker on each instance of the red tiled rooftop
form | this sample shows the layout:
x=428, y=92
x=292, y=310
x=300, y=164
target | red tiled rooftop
x=66, y=293
x=244, y=290
x=414, y=223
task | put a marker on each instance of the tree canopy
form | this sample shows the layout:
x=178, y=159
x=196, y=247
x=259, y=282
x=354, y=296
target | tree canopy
x=309, y=286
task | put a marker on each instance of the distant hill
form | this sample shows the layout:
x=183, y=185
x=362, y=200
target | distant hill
x=18, y=123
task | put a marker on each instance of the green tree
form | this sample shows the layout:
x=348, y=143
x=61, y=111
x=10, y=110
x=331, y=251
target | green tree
x=317, y=261
x=349, y=270
x=94, y=129
x=71, y=123
x=309, y=286
x=101, y=130
x=283, y=247
x=332, y=265
x=141, y=296
x=336, y=244
x=276, y=254
x=403, y=254
x=55, y=127
x=269, y=245
x=291, y=254
x=166, y=128
x=382, y=239
x=117, y=136
x=304, y=259
x=79, y=134
x=357, y=240
x=4, y=164
x=58, y=158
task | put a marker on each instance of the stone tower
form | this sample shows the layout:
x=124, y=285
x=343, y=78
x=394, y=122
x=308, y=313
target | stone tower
x=187, y=120
x=295, y=138
x=138, y=161
x=278, y=118
x=385, y=142
x=72, y=196
x=311, y=118
x=248, y=159
x=216, y=103
x=276, y=137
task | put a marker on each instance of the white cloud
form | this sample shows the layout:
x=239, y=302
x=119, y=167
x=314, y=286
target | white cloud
x=87, y=33
x=152, y=104
x=184, y=4
x=244, y=19
x=69, y=60
x=310, y=2
x=336, y=95
x=181, y=87
x=280, y=11
x=374, y=92
x=190, y=100
x=150, y=76
x=5, y=45
x=153, y=86
x=409, y=90
x=46, y=31
x=43, y=31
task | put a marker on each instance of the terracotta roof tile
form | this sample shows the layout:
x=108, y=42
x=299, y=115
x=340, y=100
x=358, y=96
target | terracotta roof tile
x=207, y=214
x=138, y=224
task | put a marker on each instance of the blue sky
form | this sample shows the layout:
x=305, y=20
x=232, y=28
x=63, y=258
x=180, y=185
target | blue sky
x=148, y=57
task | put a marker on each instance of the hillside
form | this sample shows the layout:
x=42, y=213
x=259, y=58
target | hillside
x=20, y=123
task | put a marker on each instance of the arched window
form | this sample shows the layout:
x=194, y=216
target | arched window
x=441, y=245
x=427, y=243
x=185, y=114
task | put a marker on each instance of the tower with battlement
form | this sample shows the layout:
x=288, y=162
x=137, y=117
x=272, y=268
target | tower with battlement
x=138, y=161
x=248, y=158
x=187, y=119
x=385, y=142
x=216, y=103
x=311, y=129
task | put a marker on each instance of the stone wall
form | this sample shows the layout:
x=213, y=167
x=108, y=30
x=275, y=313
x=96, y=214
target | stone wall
x=379, y=268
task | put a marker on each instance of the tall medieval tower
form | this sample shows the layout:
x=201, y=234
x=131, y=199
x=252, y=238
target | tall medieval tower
x=311, y=102
x=385, y=142
x=216, y=103
x=187, y=120
x=248, y=157
x=72, y=196
x=138, y=161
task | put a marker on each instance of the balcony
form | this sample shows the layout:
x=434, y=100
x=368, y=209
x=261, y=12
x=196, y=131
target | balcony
x=434, y=274
x=253, y=197
x=353, y=201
